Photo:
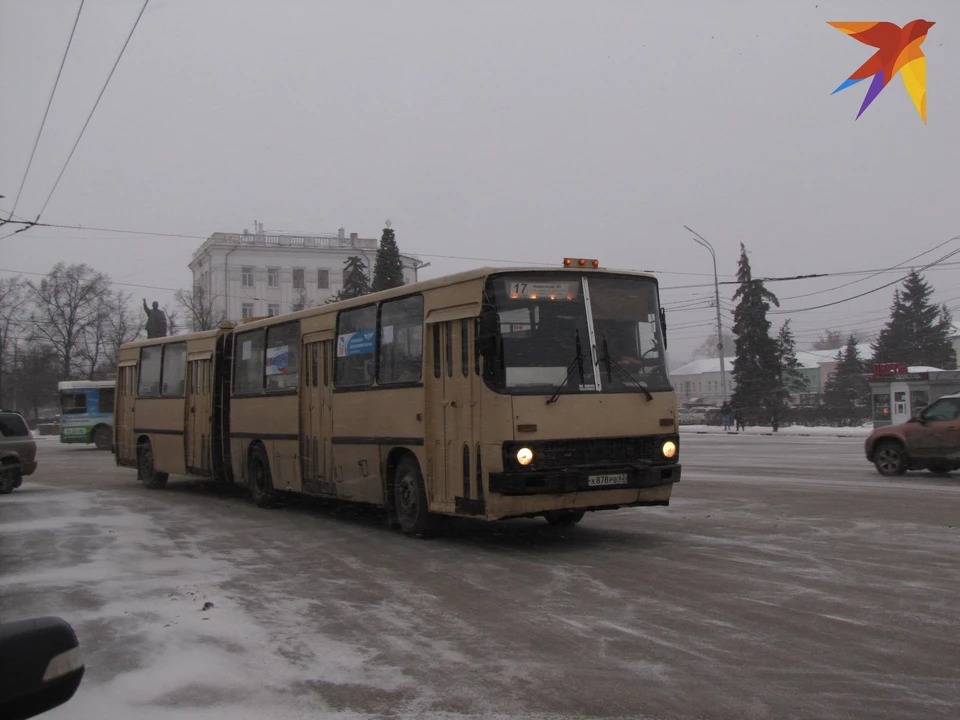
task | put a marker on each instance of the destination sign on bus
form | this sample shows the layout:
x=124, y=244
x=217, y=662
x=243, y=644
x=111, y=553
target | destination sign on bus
x=534, y=290
x=356, y=343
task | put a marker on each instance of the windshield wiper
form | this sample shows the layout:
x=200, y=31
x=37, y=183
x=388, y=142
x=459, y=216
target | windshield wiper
x=610, y=362
x=576, y=363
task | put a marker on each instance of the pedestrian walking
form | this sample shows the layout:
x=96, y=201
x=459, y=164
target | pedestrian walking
x=725, y=411
x=738, y=417
x=774, y=423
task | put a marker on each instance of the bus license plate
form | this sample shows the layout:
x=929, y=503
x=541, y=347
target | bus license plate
x=607, y=479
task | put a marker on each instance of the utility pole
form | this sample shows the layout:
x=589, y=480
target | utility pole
x=702, y=241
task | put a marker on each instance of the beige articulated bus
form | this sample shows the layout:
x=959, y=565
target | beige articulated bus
x=490, y=394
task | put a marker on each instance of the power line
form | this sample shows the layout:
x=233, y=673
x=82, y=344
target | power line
x=868, y=292
x=47, y=110
x=879, y=272
x=90, y=116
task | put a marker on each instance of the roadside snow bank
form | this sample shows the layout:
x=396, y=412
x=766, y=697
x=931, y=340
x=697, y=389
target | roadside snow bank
x=792, y=430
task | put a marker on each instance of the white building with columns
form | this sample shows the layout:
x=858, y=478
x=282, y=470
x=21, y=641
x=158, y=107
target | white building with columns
x=259, y=274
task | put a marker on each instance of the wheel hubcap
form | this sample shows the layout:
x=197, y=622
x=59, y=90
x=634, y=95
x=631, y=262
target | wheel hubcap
x=407, y=495
x=889, y=459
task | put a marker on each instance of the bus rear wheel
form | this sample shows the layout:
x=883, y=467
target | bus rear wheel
x=259, y=480
x=102, y=437
x=410, y=498
x=564, y=518
x=147, y=469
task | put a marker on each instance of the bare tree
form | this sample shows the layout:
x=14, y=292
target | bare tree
x=12, y=300
x=830, y=340
x=118, y=321
x=36, y=369
x=67, y=304
x=300, y=300
x=199, y=309
x=173, y=319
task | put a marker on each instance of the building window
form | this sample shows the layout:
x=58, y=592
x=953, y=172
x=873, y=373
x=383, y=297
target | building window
x=298, y=278
x=323, y=279
x=246, y=276
x=273, y=310
x=246, y=310
x=273, y=277
x=401, y=340
x=356, y=342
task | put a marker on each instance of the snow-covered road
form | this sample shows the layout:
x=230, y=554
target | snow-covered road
x=786, y=579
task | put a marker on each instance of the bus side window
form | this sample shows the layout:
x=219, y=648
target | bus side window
x=400, y=358
x=174, y=370
x=150, y=371
x=326, y=366
x=356, y=347
x=436, y=350
x=314, y=363
x=465, y=346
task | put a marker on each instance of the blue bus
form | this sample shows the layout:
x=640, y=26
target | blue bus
x=86, y=412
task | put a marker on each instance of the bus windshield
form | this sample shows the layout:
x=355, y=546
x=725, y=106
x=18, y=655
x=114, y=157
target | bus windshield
x=542, y=319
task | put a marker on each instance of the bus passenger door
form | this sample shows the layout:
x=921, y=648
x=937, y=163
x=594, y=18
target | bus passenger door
x=126, y=397
x=459, y=408
x=199, y=416
x=434, y=414
x=314, y=415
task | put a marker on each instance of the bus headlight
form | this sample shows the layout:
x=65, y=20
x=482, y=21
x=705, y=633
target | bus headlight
x=524, y=456
x=669, y=449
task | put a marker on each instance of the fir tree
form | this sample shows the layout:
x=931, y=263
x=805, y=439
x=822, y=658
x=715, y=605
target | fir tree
x=388, y=267
x=791, y=380
x=355, y=282
x=846, y=391
x=756, y=369
x=918, y=331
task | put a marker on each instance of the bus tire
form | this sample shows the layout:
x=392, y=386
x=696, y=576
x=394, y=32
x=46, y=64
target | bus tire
x=147, y=470
x=102, y=437
x=410, y=498
x=564, y=518
x=259, y=480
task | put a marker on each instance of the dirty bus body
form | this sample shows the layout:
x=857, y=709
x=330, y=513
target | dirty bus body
x=170, y=414
x=489, y=394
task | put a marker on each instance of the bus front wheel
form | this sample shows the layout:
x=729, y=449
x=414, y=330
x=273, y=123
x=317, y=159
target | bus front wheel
x=259, y=480
x=147, y=469
x=410, y=498
x=102, y=437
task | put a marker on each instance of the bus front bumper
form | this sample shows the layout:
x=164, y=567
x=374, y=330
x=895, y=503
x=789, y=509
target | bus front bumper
x=553, y=482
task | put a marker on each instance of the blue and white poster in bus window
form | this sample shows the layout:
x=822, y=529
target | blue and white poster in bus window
x=356, y=343
x=277, y=359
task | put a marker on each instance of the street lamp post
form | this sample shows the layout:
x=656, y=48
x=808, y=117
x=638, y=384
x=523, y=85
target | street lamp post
x=702, y=241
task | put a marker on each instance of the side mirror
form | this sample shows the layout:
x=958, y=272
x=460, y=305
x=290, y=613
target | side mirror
x=40, y=666
x=663, y=326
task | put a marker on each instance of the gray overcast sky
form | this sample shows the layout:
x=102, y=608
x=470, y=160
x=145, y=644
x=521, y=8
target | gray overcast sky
x=524, y=130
